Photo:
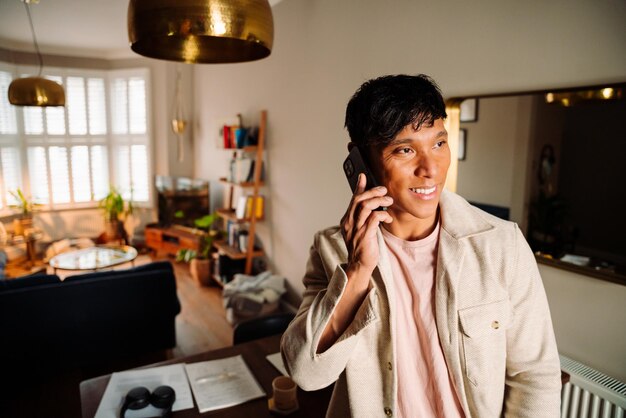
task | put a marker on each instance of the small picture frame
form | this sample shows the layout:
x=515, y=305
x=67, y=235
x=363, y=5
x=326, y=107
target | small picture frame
x=462, y=144
x=469, y=110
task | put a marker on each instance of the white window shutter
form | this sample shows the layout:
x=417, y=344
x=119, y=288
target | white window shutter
x=33, y=120
x=8, y=121
x=81, y=180
x=55, y=116
x=38, y=174
x=69, y=149
x=137, y=105
x=59, y=174
x=119, y=106
x=11, y=178
x=123, y=170
x=76, y=105
x=100, y=172
x=97, y=106
x=139, y=167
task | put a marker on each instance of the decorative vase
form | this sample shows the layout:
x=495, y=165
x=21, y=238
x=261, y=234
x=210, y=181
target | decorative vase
x=114, y=231
x=21, y=225
x=200, y=270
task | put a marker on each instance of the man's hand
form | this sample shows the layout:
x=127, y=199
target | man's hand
x=359, y=225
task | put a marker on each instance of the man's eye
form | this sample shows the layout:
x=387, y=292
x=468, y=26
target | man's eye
x=404, y=151
x=440, y=144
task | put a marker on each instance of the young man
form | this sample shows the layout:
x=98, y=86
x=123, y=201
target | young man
x=432, y=308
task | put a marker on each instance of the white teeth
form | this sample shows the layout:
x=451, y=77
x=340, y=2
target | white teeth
x=424, y=191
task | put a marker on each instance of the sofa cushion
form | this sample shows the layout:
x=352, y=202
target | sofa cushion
x=155, y=266
x=29, y=281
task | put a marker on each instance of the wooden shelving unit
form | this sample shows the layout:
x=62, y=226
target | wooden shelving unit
x=234, y=253
x=244, y=184
x=228, y=213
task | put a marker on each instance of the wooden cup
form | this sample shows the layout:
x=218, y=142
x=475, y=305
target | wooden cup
x=285, y=393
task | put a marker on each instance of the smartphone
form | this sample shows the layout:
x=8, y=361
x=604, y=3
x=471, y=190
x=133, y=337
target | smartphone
x=353, y=166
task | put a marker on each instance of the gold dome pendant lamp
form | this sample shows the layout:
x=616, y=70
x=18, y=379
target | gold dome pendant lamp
x=201, y=31
x=35, y=91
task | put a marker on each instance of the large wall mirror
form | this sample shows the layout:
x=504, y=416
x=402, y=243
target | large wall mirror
x=555, y=163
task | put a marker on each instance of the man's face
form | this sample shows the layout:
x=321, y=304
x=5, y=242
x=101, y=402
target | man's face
x=413, y=168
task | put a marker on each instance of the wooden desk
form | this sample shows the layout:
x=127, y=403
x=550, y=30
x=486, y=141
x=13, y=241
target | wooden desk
x=312, y=404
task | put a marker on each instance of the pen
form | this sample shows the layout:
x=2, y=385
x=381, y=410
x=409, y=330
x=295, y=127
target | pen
x=213, y=377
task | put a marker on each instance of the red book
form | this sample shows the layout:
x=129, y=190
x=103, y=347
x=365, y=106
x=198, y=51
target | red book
x=226, y=133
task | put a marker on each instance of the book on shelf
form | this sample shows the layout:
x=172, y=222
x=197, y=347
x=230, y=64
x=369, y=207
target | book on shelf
x=232, y=229
x=240, y=169
x=244, y=207
x=242, y=240
x=250, y=177
x=234, y=136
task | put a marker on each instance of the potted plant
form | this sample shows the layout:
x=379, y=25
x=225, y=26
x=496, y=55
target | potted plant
x=26, y=208
x=201, y=261
x=116, y=211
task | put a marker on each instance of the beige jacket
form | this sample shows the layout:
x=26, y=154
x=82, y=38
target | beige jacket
x=492, y=316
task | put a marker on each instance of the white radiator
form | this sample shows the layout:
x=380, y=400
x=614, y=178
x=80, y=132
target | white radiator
x=590, y=394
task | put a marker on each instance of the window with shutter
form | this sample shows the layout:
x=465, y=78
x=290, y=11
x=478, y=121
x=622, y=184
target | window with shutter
x=73, y=153
x=130, y=140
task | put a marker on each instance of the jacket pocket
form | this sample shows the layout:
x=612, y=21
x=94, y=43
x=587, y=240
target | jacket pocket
x=484, y=341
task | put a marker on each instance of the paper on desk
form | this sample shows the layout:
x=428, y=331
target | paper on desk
x=122, y=382
x=277, y=361
x=218, y=384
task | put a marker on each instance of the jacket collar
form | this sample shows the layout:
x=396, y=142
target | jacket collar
x=459, y=218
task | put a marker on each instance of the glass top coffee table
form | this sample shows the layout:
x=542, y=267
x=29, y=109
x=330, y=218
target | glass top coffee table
x=93, y=258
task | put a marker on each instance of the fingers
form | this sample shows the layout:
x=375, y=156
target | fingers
x=363, y=211
x=361, y=184
x=362, y=214
x=362, y=205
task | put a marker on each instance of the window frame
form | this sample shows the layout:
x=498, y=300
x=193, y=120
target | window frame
x=110, y=140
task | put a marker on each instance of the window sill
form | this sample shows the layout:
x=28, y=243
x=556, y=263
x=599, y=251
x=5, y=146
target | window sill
x=9, y=216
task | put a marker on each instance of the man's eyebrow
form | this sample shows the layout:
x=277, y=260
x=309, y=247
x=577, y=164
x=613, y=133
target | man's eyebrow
x=403, y=141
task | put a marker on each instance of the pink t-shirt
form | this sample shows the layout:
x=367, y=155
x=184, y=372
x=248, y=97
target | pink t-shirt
x=425, y=388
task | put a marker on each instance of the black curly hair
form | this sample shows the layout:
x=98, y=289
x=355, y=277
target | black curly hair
x=383, y=106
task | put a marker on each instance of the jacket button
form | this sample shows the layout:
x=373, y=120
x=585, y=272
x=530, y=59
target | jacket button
x=388, y=412
x=389, y=365
x=495, y=325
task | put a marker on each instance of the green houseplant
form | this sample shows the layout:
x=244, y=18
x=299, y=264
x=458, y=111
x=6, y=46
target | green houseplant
x=201, y=261
x=26, y=208
x=116, y=210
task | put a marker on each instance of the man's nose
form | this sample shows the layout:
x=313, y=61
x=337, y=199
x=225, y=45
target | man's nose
x=425, y=165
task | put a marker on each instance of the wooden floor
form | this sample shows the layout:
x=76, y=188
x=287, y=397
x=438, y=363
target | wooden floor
x=200, y=326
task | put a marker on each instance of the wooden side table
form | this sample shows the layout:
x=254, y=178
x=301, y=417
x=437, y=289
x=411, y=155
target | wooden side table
x=30, y=264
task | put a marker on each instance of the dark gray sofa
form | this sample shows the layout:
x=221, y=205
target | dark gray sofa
x=87, y=318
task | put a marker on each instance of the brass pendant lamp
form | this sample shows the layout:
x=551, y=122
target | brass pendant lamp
x=35, y=91
x=201, y=31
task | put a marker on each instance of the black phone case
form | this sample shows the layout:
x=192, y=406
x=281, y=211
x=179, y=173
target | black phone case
x=353, y=166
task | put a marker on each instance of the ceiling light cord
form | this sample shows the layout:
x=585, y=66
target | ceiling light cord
x=32, y=30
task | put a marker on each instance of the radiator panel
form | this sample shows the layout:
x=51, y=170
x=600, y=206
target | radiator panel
x=590, y=393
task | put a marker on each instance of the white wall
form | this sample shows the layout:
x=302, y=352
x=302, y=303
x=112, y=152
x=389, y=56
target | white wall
x=589, y=318
x=325, y=49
